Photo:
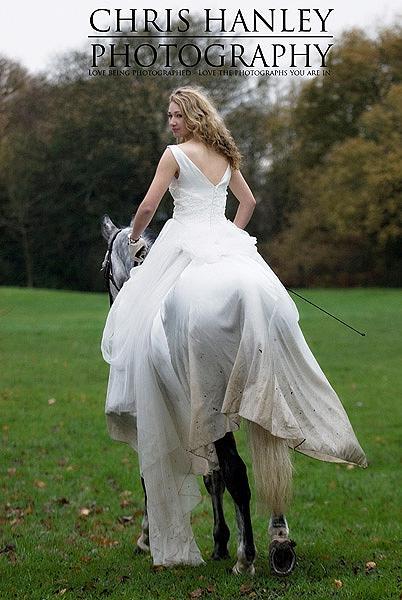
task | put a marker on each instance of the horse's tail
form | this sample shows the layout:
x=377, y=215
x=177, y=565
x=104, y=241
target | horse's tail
x=272, y=469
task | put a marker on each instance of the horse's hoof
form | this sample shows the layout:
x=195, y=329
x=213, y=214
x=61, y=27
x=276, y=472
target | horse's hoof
x=282, y=557
x=220, y=555
x=240, y=569
x=141, y=546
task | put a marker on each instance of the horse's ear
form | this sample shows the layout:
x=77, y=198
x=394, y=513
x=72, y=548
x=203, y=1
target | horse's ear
x=108, y=228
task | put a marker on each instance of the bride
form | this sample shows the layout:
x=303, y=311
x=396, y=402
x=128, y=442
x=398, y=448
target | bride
x=204, y=334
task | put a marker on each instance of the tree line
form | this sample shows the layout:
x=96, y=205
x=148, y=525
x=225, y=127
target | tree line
x=323, y=158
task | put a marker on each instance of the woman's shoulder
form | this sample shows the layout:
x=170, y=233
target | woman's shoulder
x=199, y=150
x=193, y=145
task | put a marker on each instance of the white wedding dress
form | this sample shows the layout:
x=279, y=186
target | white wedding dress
x=202, y=334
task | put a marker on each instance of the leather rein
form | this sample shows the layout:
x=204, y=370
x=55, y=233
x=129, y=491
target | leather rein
x=108, y=270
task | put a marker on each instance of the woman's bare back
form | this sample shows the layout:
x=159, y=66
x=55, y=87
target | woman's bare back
x=210, y=162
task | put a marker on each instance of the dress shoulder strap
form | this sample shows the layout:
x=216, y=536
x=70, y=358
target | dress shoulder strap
x=178, y=154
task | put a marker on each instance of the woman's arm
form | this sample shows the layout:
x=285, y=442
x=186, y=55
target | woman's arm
x=240, y=189
x=163, y=176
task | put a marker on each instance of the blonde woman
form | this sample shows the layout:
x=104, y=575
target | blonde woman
x=202, y=335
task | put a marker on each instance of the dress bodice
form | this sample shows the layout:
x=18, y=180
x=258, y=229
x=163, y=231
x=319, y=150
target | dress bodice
x=196, y=198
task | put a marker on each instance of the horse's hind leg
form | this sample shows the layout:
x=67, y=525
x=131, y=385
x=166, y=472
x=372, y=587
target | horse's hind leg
x=278, y=526
x=143, y=540
x=235, y=477
x=216, y=487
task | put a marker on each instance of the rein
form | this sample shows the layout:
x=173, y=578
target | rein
x=328, y=313
x=108, y=272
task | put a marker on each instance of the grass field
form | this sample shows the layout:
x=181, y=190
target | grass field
x=70, y=499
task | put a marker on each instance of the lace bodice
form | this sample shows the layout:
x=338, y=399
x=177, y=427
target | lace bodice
x=196, y=198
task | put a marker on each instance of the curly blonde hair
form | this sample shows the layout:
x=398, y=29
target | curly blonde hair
x=204, y=122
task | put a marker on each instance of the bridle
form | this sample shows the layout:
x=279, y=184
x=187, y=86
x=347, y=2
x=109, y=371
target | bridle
x=108, y=269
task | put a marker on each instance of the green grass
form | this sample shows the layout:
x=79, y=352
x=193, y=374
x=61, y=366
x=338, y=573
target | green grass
x=57, y=459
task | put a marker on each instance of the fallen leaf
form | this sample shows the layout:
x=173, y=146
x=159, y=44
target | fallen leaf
x=97, y=509
x=211, y=588
x=370, y=566
x=7, y=548
x=16, y=513
x=196, y=593
x=11, y=471
x=125, y=519
x=62, y=501
x=104, y=541
x=39, y=484
x=338, y=583
x=84, y=512
x=51, y=401
x=125, y=502
x=62, y=592
x=48, y=507
x=47, y=523
x=246, y=588
x=85, y=559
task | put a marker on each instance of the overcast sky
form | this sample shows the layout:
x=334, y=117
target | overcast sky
x=33, y=31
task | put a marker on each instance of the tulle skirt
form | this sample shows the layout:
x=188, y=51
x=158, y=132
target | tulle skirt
x=202, y=334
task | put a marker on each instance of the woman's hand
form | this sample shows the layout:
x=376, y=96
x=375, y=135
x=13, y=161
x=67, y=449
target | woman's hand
x=135, y=248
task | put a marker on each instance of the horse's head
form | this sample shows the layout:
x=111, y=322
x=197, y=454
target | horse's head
x=118, y=263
